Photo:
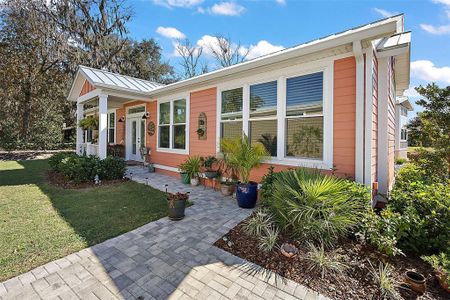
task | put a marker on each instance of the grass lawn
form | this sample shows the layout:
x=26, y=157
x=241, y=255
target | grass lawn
x=40, y=223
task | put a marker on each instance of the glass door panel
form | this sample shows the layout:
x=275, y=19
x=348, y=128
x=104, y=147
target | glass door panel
x=133, y=137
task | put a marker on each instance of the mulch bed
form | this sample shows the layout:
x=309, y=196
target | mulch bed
x=355, y=283
x=57, y=179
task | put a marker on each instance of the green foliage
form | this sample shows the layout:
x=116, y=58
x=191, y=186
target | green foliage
x=84, y=168
x=208, y=162
x=400, y=161
x=382, y=231
x=417, y=137
x=431, y=164
x=317, y=207
x=267, y=185
x=191, y=166
x=241, y=155
x=90, y=122
x=384, y=281
x=320, y=260
x=268, y=240
x=257, y=224
x=441, y=263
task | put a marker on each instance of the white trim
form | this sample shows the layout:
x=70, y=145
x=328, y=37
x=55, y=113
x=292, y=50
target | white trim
x=171, y=99
x=110, y=111
x=383, y=142
x=280, y=75
x=102, y=125
x=368, y=120
x=245, y=108
x=359, y=134
x=88, y=96
x=135, y=115
x=167, y=168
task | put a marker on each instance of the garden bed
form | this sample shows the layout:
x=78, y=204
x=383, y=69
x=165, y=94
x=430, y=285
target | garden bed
x=58, y=179
x=355, y=283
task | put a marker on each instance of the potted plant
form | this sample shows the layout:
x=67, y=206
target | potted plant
x=90, y=122
x=192, y=167
x=177, y=205
x=226, y=187
x=241, y=155
x=200, y=132
x=151, y=168
x=207, y=163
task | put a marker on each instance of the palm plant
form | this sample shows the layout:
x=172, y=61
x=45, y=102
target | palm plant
x=241, y=155
x=191, y=166
x=315, y=207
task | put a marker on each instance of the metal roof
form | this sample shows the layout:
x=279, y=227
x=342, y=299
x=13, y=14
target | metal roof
x=402, y=39
x=113, y=80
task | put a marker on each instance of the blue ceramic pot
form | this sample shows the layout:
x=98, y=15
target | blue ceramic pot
x=246, y=194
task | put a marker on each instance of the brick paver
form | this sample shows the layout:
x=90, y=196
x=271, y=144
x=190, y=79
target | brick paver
x=160, y=260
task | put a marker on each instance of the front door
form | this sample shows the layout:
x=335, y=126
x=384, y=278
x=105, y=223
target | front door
x=135, y=138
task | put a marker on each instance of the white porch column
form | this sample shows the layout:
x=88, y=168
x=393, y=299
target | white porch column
x=103, y=125
x=79, y=129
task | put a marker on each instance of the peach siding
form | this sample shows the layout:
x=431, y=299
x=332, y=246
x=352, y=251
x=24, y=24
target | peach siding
x=391, y=120
x=203, y=101
x=344, y=116
x=374, y=119
x=87, y=87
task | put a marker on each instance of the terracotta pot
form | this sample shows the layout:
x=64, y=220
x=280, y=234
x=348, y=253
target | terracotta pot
x=226, y=189
x=442, y=277
x=416, y=281
x=288, y=250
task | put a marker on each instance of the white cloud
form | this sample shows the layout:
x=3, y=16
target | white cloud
x=411, y=92
x=426, y=70
x=263, y=47
x=227, y=9
x=281, y=2
x=170, y=32
x=178, y=3
x=385, y=13
x=437, y=30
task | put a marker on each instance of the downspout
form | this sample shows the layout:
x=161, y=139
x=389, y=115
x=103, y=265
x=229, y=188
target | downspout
x=359, y=134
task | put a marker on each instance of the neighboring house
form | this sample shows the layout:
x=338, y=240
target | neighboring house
x=327, y=104
x=401, y=133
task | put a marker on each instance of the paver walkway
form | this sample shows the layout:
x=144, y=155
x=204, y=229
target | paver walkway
x=160, y=260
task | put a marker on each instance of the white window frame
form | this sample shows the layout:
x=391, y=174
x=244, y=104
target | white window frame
x=110, y=111
x=172, y=99
x=327, y=67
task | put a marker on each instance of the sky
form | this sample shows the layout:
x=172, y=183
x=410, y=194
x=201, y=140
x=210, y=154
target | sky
x=264, y=26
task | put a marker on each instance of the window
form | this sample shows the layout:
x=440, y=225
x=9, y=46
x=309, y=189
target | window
x=172, y=124
x=403, y=134
x=231, y=114
x=263, y=115
x=137, y=109
x=304, y=116
x=112, y=127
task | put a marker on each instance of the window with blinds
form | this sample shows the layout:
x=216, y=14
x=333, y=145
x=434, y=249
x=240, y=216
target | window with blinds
x=263, y=116
x=231, y=114
x=304, y=116
x=111, y=127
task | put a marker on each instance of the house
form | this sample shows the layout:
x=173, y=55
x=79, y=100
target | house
x=402, y=107
x=328, y=104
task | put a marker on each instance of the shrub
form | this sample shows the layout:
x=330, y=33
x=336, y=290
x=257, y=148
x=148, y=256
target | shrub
x=400, y=161
x=267, y=185
x=441, y=263
x=425, y=215
x=384, y=281
x=258, y=223
x=55, y=161
x=268, y=240
x=432, y=164
x=112, y=168
x=324, y=262
x=316, y=207
x=382, y=231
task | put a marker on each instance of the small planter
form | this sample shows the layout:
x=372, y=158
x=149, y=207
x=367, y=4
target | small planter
x=151, y=168
x=211, y=174
x=185, y=178
x=246, y=194
x=195, y=181
x=177, y=205
x=289, y=250
x=416, y=281
x=226, y=188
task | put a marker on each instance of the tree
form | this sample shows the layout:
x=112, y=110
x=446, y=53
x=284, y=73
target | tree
x=436, y=116
x=227, y=53
x=190, y=59
x=417, y=137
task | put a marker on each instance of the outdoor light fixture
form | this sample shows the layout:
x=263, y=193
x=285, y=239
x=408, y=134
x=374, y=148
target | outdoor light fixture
x=146, y=116
x=122, y=119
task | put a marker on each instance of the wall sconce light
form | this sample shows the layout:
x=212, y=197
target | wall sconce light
x=146, y=116
x=122, y=119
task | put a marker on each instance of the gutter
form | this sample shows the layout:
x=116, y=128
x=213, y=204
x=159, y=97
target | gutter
x=359, y=134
